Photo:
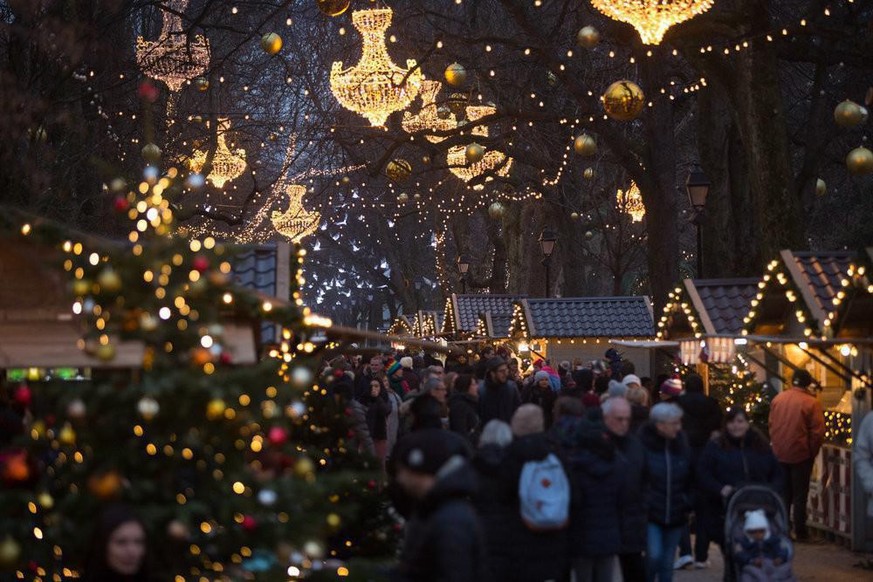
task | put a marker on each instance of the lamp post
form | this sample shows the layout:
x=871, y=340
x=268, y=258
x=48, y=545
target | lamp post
x=697, y=185
x=463, y=267
x=547, y=241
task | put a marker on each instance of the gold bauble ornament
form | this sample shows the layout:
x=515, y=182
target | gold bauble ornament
x=587, y=37
x=45, y=500
x=574, y=215
x=81, y=287
x=215, y=409
x=588, y=174
x=271, y=43
x=623, y=100
x=151, y=153
x=849, y=114
x=177, y=530
x=10, y=553
x=456, y=75
x=333, y=7
x=334, y=520
x=67, y=435
x=398, y=170
x=105, y=352
x=457, y=104
x=109, y=281
x=105, y=485
x=496, y=210
x=345, y=180
x=402, y=198
x=589, y=235
x=202, y=84
x=821, y=188
x=304, y=468
x=474, y=153
x=860, y=161
x=416, y=196
x=585, y=145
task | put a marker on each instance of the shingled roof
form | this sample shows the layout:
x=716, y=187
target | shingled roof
x=463, y=311
x=725, y=303
x=575, y=317
x=824, y=273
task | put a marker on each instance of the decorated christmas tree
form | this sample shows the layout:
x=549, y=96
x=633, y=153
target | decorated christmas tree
x=238, y=468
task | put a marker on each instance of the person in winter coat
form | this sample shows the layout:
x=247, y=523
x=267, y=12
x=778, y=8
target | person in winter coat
x=618, y=419
x=738, y=456
x=797, y=430
x=701, y=419
x=597, y=474
x=638, y=397
x=427, y=409
x=443, y=538
x=409, y=375
x=396, y=379
x=668, y=487
x=494, y=501
x=540, y=393
x=498, y=397
x=862, y=459
x=343, y=389
x=378, y=408
x=463, y=408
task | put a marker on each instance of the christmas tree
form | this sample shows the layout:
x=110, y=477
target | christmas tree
x=238, y=470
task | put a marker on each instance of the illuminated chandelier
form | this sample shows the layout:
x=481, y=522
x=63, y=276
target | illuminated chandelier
x=427, y=117
x=652, y=18
x=631, y=202
x=226, y=165
x=457, y=156
x=296, y=222
x=172, y=58
x=375, y=87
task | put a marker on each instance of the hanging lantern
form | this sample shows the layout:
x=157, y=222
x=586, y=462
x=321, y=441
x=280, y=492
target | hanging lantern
x=175, y=57
x=375, y=87
x=460, y=165
x=623, y=100
x=430, y=117
x=652, y=18
x=226, y=165
x=631, y=202
x=296, y=222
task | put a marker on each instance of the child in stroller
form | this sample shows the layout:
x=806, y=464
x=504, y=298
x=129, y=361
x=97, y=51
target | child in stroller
x=760, y=550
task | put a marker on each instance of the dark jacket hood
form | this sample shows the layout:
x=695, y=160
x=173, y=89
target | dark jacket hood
x=455, y=479
x=463, y=396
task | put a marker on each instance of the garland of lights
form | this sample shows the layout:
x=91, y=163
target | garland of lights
x=375, y=87
x=172, y=58
x=457, y=157
x=652, y=18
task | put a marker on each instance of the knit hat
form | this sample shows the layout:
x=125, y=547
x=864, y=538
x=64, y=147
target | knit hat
x=541, y=376
x=429, y=449
x=494, y=363
x=671, y=387
x=406, y=362
x=756, y=519
x=632, y=379
x=616, y=389
x=393, y=368
x=801, y=378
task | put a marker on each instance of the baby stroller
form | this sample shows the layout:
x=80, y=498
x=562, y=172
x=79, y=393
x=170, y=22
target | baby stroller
x=750, y=498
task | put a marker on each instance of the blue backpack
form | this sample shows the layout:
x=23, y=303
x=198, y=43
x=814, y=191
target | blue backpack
x=544, y=494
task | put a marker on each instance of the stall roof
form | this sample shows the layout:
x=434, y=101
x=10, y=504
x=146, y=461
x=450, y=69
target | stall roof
x=584, y=317
x=852, y=316
x=724, y=302
x=463, y=311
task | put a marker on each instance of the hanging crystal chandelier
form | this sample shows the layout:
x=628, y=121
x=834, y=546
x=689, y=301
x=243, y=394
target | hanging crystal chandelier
x=457, y=156
x=226, y=165
x=428, y=118
x=652, y=18
x=375, y=87
x=296, y=222
x=173, y=58
x=631, y=202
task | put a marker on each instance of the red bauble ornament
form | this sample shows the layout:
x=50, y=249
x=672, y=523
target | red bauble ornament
x=121, y=204
x=277, y=436
x=148, y=92
x=371, y=484
x=249, y=523
x=225, y=358
x=23, y=395
x=200, y=263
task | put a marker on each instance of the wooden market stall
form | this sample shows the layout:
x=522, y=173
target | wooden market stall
x=462, y=313
x=582, y=327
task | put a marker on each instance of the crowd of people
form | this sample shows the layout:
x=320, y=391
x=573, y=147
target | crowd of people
x=639, y=457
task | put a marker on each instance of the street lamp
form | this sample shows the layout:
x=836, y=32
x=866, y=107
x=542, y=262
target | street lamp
x=463, y=267
x=547, y=240
x=697, y=185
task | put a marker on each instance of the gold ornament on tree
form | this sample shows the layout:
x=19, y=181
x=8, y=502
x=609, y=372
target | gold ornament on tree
x=398, y=170
x=496, y=210
x=176, y=56
x=585, y=145
x=821, y=188
x=227, y=165
x=860, y=161
x=587, y=37
x=333, y=7
x=271, y=43
x=630, y=201
x=652, y=18
x=849, y=114
x=430, y=117
x=461, y=166
x=623, y=100
x=375, y=87
x=456, y=75
x=296, y=222
x=474, y=153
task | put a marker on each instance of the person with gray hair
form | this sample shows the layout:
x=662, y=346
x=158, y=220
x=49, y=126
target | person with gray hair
x=496, y=432
x=667, y=478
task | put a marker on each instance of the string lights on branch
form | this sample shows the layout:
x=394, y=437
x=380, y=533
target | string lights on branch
x=174, y=58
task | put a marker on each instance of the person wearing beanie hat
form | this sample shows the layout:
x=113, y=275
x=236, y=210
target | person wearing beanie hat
x=443, y=537
x=671, y=389
x=498, y=396
x=396, y=380
x=540, y=393
x=616, y=389
x=406, y=362
x=413, y=382
x=761, y=555
x=632, y=380
x=797, y=429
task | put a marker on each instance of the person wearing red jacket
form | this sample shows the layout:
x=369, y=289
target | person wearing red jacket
x=797, y=430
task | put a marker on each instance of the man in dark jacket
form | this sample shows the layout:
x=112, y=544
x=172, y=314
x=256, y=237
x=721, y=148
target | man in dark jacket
x=498, y=397
x=443, y=539
x=463, y=408
x=701, y=419
x=632, y=514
